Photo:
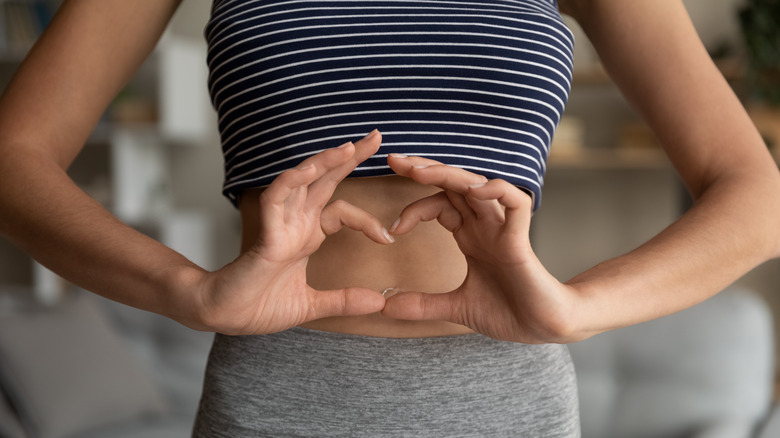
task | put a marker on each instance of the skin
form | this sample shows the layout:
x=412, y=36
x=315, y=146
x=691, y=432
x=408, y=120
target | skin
x=473, y=271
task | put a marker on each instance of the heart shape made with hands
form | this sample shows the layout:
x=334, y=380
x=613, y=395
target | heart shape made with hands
x=505, y=294
x=488, y=219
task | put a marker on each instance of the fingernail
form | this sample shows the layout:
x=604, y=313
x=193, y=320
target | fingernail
x=371, y=134
x=477, y=185
x=398, y=156
x=387, y=235
x=389, y=292
x=395, y=224
x=420, y=167
x=345, y=145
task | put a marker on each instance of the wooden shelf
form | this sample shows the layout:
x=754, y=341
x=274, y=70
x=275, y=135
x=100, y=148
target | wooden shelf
x=609, y=158
x=593, y=75
x=733, y=69
x=616, y=159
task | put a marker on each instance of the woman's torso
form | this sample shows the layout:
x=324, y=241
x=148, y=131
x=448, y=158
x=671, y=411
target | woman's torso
x=476, y=84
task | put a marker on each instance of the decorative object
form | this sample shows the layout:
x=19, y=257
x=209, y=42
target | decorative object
x=760, y=24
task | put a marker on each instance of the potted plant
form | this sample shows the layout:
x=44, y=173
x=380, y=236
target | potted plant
x=760, y=25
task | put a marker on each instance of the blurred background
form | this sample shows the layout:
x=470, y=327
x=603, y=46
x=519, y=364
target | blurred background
x=155, y=161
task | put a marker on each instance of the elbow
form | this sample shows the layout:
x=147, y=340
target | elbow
x=751, y=193
x=775, y=232
x=771, y=211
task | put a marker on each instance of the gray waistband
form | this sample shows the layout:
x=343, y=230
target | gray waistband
x=311, y=383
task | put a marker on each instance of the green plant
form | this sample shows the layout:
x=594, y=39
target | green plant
x=760, y=24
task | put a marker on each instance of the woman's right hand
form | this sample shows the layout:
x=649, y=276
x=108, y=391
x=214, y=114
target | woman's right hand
x=265, y=290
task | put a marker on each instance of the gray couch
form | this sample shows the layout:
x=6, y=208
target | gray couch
x=706, y=372
x=91, y=368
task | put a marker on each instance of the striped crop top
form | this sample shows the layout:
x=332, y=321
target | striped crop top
x=478, y=84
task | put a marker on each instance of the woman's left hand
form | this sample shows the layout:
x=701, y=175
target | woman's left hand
x=507, y=293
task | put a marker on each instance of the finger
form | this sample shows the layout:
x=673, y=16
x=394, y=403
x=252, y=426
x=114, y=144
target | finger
x=460, y=204
x=484, y=208
x=330, y=158
x=272, y=200
x=426, y=171
x=431, y=172
x=283, y=185
x=321, y=190
x=307, y=172
x=350, y=301
x=408, y=166
x=436, y=206
x=489, y=209
x=341, y=214
x=292, y=182
x=517, y=203
x=402, y=164
x=417, y=306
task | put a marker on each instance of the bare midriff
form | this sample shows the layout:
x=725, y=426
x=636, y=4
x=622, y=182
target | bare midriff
x=427, y=259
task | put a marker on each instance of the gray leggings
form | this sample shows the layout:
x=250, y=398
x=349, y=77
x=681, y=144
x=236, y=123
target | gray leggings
x=312, y=383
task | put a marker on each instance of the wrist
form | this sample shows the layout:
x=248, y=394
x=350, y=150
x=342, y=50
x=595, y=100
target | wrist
x=181, y=286
x=567, y=325
x=577, y=309
x=586, y=316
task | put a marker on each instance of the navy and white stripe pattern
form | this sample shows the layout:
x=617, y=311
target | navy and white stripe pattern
x=478, y=84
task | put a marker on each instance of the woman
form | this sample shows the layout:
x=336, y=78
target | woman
x=429, y=353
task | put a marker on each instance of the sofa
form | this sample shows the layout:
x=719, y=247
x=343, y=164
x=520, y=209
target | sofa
x=88, y=367
x=91, y=368
x=705, y=372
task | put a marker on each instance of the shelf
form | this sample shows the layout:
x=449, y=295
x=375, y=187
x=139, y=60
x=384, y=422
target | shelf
x=733, y=69
x=103, y=131
x=616, y=159
x=594, y=75
x=609, y=159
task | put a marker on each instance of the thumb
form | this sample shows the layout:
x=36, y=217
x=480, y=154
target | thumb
x=351, y=301
x=419, y=306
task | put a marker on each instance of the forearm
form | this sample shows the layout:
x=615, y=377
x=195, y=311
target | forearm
x=50, y=218
x=731, y=228
x=85, y=56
